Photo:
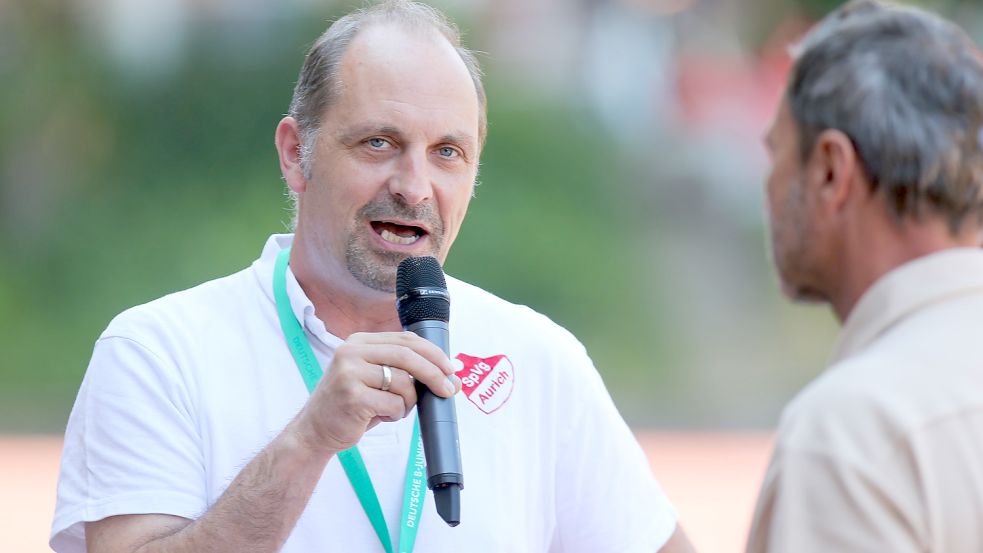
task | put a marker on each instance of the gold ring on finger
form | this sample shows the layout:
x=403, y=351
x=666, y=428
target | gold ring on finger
x=387, y=377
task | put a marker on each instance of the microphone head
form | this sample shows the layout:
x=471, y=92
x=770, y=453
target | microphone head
x=421, y=291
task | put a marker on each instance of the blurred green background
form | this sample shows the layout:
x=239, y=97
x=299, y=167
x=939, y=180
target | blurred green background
x=136, y=159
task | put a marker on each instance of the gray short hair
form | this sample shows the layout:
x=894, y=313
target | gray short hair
x=907, y=87
x=317, y=87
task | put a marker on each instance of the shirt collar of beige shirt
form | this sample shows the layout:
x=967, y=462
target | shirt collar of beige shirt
x=922, y=282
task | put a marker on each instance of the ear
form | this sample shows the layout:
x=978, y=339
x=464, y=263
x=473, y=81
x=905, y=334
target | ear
x=833, y=168
x=288, y=148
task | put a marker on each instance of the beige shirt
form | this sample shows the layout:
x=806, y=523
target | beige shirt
x=883, y=453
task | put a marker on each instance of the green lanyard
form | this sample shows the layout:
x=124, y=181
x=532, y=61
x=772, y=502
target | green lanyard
x=351, y=460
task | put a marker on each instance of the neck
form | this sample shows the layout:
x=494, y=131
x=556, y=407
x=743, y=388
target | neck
x=343, y=304
x=875, y=252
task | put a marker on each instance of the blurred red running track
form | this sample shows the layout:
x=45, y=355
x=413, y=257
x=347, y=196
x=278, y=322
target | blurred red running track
x=712, y=478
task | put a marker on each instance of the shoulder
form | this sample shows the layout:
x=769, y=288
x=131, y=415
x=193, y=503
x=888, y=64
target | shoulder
x=859, y=409
x=207, y=309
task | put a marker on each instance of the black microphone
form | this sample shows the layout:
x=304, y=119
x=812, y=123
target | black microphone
x=424, y=308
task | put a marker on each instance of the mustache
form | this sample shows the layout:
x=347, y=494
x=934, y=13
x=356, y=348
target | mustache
x=392, y=208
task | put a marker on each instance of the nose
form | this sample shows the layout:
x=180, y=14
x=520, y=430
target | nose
x=411, y=180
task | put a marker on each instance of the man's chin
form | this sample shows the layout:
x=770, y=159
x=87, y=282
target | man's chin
x=376, y=267
x=793, y=284
x=800, y=293
x=375, y=270
x=376, y=282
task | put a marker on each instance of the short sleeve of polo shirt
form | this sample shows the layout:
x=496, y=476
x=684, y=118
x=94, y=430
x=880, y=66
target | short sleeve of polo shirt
x=607, y=497
x=132, y=445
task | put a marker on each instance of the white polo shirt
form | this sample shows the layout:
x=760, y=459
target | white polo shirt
x=181, y=393
x=884, y=451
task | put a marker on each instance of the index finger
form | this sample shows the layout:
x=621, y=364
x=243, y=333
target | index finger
x=408, y=359
x=424, y=348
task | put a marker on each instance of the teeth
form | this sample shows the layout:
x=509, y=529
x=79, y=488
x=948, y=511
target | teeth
x=397, y=239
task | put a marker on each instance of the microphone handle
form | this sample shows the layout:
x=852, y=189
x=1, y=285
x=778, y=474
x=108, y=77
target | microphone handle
x=438, y=430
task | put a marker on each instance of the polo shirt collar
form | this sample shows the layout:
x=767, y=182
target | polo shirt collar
x=914, y=286
x=301, y=305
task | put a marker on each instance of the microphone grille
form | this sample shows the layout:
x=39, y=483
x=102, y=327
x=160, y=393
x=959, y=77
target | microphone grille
x=421, y=291
x=419, y=272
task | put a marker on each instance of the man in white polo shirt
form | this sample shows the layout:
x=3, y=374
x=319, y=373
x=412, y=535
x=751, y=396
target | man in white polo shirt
x=193, y=429
x=875, y=199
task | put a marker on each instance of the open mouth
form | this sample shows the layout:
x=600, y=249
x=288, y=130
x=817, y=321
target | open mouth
x=396, y=233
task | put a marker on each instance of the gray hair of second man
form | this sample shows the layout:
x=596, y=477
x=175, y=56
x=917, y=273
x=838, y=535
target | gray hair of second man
x=906, y=87
x=318, y=84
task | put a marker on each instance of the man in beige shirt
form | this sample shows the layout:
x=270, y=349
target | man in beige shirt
x=875, y=200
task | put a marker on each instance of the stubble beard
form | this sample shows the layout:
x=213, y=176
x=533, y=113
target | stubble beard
x=374, y=267
x=790, y=233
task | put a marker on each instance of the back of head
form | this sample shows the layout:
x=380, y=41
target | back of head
x=907, y=87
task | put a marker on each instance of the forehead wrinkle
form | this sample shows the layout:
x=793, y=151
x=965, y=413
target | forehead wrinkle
x=445, y=105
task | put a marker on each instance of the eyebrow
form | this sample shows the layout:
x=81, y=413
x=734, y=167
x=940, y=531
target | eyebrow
x=357, y=133
x=459, y=138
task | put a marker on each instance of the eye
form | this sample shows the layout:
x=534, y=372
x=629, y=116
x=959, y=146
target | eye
x=448, y=152
x=377, y=143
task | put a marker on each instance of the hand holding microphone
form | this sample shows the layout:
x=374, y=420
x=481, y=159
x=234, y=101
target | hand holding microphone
x=355, y=393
